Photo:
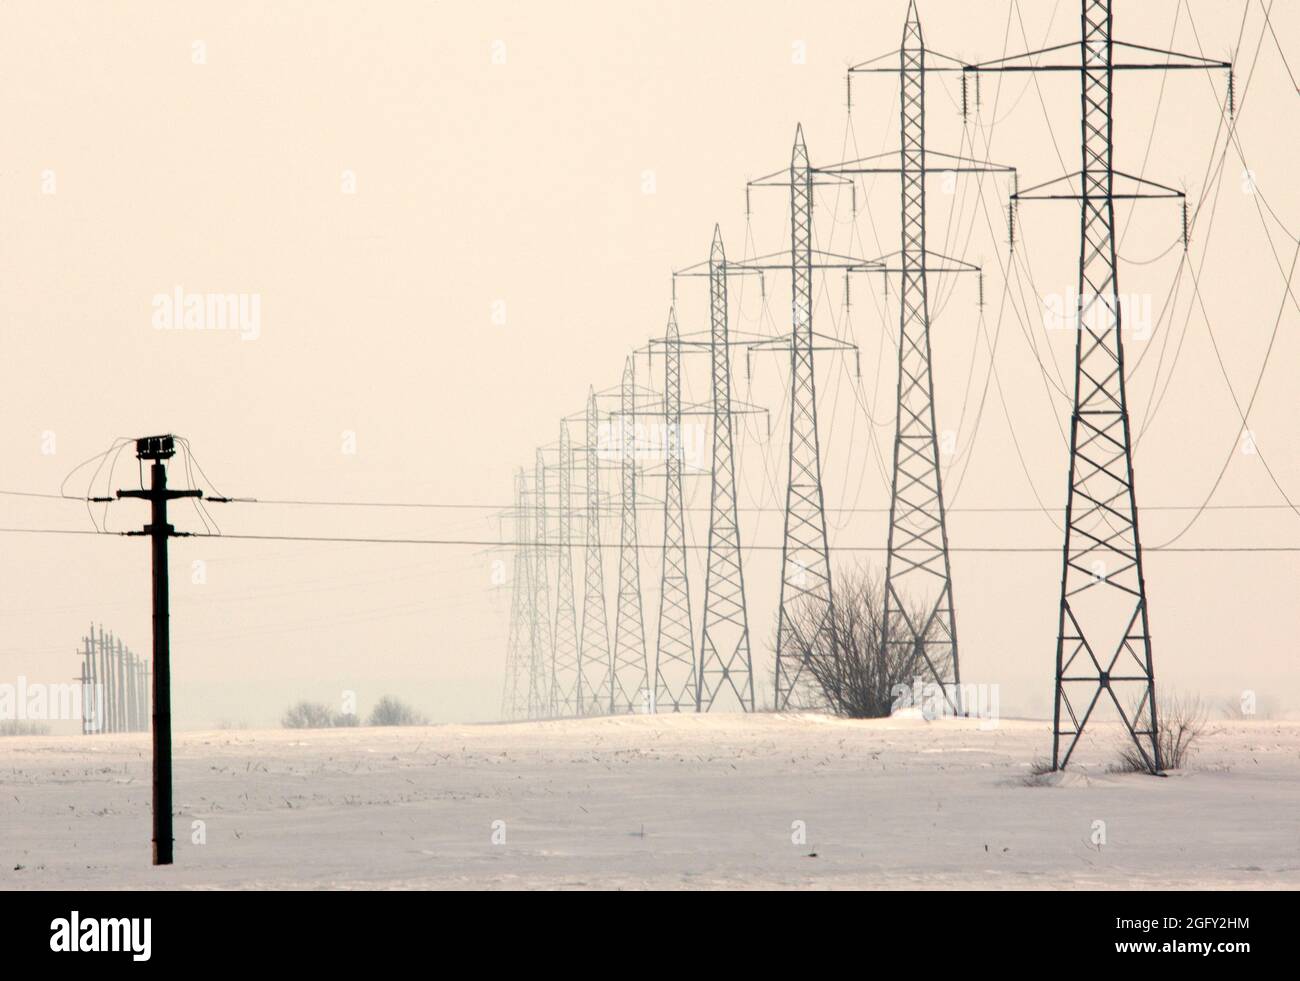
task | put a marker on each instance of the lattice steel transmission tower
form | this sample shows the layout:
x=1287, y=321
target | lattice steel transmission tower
x=917, y=559
x=806, y=619
x=514, y=695
x=726, y=666
x=919, y=619
x=630, y=689
x=564, y=678
x=675, y=668
x=594, y=676
x=543, y=641
x=1104, y=636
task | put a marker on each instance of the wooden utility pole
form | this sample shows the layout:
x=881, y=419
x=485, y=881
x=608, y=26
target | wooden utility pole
x=158, y=449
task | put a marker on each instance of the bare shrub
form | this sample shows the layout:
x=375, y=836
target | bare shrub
x=862, y=678
x=389, y=711
x=1039, y=770
x=1180, y=724
x=307, y=715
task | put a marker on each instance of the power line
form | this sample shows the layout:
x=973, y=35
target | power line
x=467, y=506
x=509, y=543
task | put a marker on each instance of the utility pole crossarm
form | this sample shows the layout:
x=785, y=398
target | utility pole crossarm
x=1156, y=190
x=1023, y=63
x=958, y=165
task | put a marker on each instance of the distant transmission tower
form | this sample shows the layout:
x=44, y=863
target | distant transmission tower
x=630, y=684
x=1104, y=638
x=542, y=667
x=725, y=661
x=594, y=677
x=514, y=695
x=806, y=620
x=675, y=668
x=564, y=679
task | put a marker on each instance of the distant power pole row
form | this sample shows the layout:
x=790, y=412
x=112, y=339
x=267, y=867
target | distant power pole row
x=114, y=685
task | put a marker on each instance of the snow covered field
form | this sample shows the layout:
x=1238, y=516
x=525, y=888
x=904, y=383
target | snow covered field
x=673, y=802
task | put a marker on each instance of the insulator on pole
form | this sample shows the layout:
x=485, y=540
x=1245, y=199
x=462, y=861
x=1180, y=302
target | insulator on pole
x=964, y=113
x=762, y=286
x=1185, y=225
x=848, y=297
x=747, y=211
x=749, y=367
x=853, y=198
x=1232, y=94
x=981, y=287
x=1011, y=225
x=848, y=88
x=857, y=363
x=977, y=92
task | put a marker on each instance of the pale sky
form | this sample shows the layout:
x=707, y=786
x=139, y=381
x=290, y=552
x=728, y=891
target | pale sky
x=387, y=179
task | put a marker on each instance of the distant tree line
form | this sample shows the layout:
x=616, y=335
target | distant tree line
x=388, y=711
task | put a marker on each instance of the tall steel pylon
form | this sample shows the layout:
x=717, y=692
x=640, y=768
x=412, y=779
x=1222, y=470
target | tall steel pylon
x=1104, y=636
x=726, y=667
x=564, y=678
x=594, y=676
x=917, y=566
x=543, y=645
x=806, y=622
x=675, y=669
x=919, y=620
x=514, y=695
x=630, y=688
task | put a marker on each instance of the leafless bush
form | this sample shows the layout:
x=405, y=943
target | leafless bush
x=307, y=715
x=1039, y=769
x=1180, y=724
x=389, y=711
x=862, y=679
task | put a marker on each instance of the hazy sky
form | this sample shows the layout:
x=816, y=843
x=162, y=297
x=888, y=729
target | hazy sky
x=456, y=217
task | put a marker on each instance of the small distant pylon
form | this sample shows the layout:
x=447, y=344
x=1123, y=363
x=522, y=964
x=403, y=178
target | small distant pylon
x=726, y=667
x=594, y=693
x=539, y=689
x=514, y=695
x=564, y=680
x=630, y=689
x=675, y=669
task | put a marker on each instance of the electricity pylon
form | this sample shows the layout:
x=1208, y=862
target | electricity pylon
x=594, y=677
x=1104, y=636
x=726, y=665
x=806, y=619
x=675, y=668
x=919, y=619
x=564, y=679
x=514, y=695
x=542, y=666
x=630, y=688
